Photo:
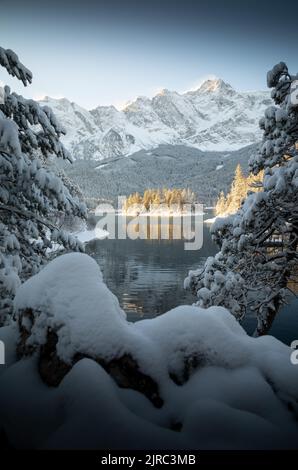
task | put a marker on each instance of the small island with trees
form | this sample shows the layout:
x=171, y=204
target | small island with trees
x=160, y=201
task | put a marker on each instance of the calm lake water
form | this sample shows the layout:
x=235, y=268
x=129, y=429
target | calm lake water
x=147, y=277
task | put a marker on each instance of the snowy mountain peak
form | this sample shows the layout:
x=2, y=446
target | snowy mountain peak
x=139, y=101
x=164, y=92
x=110, y=108
x=49, y=99
x=142, y=99
x=215, y=85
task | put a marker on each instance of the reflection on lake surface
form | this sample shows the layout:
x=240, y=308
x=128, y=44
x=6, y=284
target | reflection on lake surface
x=147, y=275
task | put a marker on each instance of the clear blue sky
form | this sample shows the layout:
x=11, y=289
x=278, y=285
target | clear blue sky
x=110, y=51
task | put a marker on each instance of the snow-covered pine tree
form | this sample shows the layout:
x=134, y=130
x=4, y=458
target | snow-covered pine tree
x=240, y=187
x=31, y=195
x=258, y=254
x=238, y=190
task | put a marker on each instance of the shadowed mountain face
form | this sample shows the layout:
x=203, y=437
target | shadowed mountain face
x=206, y=173
x=214, y=117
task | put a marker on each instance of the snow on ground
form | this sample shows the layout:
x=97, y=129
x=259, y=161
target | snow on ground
x=236, y=391
x=210, y=221
x=87, y=235
x=217, y=219
x=101, y=166
x=84, y=236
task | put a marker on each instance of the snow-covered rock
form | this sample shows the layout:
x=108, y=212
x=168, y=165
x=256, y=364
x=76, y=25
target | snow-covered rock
x=213, y=117
x=219, y=387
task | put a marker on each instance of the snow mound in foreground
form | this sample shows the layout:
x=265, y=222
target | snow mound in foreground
x=219, y=387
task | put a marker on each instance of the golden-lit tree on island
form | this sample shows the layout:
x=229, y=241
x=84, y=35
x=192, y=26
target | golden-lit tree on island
x=240, y=187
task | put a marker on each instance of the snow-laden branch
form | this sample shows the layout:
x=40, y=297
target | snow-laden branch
x=10, y=61
x=28, y=215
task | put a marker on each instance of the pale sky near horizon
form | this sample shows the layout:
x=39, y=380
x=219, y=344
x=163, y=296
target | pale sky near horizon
x=110, y=51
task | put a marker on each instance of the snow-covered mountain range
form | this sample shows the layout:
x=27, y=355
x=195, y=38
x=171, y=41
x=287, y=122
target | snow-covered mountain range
x=214, y=117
